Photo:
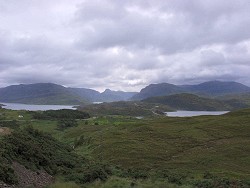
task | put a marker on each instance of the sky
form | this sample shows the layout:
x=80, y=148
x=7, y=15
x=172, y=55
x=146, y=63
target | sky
x=124, y=44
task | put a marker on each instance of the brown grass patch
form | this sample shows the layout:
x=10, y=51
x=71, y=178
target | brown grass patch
x=5, y=131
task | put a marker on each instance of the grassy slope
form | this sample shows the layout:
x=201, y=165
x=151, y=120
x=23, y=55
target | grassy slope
x=57, y=99
x=218, y=144
x=243, y=98
x=192, y=146
x=38, y=150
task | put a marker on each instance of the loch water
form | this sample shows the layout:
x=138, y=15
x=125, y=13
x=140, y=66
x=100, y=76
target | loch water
x=33, y=107
x=194, y=113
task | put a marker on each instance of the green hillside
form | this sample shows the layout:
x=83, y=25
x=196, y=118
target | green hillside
x=161, y=89
x=186, y=101
x=208, y=89
x=43, y=93
x=57, y=99
x=243, y=98
x=125, y=108
x=218, y=88
x=121, y=151
x=49, y=93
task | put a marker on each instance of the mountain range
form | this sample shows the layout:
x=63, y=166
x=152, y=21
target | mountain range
x=49, y=93
x=206, y=89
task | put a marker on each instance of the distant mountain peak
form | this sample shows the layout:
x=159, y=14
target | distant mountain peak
x=210, y=88
x=50, y=93
x=108, y=91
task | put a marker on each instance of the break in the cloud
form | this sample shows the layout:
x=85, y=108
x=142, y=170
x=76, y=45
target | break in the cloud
x=124, y=44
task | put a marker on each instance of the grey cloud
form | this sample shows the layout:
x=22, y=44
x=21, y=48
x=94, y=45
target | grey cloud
x=124, y=44
x=190, y=25
x=212, y=58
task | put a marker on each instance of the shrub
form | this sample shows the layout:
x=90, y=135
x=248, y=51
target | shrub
x=82, y=141
x=135, y=173
x=175, y=178
x=64, y=185
x=89, y=173
x=6, y=172
x=36, y=149
x=66, y=123
x=217, y=182
x=11, y=124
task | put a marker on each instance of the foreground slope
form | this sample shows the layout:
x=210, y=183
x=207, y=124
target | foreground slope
x=204, y=151
x=189, y=146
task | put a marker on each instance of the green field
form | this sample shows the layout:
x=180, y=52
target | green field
x=158, y=151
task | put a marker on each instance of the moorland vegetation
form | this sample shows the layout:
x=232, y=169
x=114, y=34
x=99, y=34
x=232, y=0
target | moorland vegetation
x=123, y=151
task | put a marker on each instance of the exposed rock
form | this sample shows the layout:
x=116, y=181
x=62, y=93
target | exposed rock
x=29, y=178
x=4, y=185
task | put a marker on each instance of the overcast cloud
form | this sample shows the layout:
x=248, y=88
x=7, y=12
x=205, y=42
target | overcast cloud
x=124, y=45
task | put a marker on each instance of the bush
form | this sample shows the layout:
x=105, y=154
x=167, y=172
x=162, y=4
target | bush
x=90, y=173
x=36, y=149
x=208, y=175
x=66, y=123
x=82, y=141
x=11, y=124
x=175, y=178
x=217, y=182
x=6, y=172
x=135, y=173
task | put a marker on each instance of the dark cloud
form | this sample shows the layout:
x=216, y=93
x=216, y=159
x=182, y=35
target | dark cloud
x=124, y=44
x=170, y=26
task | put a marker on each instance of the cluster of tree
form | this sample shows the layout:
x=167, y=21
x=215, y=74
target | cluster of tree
x=9, y=124
x=60, y=114
x=66, y=123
